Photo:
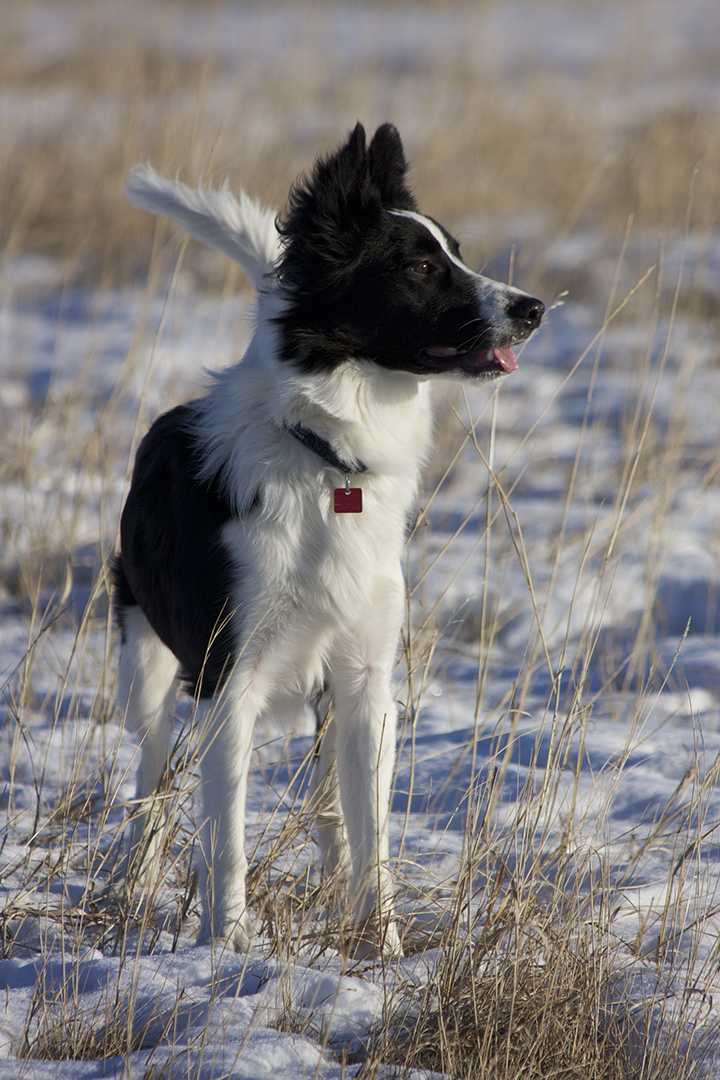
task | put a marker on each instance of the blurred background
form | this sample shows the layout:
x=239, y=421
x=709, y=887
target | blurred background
x=536, y=128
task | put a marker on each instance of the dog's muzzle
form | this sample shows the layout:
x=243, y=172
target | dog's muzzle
x=527, y=313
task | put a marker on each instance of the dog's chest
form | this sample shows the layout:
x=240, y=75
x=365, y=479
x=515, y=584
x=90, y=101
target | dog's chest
x=296, y=553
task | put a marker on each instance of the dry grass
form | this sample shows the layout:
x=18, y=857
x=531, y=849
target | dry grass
x=530, y=973
x=529, y=1019
x=117, y=94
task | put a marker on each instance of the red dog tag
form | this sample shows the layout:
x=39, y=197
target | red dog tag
x=348, y=500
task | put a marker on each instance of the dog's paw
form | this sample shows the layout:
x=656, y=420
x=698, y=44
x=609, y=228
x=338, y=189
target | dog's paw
x=336, y=861
x=125, y=881
x=240, y=937
x=235, y=934
x=334, y=848
x=369, y=941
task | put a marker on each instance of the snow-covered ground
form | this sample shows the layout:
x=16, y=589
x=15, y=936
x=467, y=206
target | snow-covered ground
x=562, y=674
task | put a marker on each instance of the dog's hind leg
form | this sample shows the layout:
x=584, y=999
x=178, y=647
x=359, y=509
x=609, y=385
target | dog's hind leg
x=324, y=800
x=148, y=691
x=225, y=734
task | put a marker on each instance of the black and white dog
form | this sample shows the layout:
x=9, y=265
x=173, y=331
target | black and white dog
x=262, y=536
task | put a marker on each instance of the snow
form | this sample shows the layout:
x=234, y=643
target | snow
x=82, y=370
x=233, y=1004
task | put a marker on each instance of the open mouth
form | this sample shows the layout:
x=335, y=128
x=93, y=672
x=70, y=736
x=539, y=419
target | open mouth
x=498, y=361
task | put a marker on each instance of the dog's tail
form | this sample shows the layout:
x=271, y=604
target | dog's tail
x=243, y=230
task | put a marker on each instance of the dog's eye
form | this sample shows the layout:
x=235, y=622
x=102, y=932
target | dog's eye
x=424, y=268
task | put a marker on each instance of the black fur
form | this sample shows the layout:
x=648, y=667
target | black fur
x=348, y=268
x=173, y=564
x=331, y=214
x=360, y=282
x=361, y=277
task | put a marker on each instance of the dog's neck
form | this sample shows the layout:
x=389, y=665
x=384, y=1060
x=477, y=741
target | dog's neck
x=312, y=441
x=364, y=414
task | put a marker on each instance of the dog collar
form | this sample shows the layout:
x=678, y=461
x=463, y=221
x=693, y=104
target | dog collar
x=323, y=449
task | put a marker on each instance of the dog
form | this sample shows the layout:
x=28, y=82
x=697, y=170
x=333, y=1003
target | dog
x=261, y=539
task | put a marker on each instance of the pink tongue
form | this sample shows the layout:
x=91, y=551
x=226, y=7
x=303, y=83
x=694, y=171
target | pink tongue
x=506, y=358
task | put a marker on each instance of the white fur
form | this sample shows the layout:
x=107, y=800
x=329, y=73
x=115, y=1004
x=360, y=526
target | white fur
x=321, y=594
x=147, y=684
x=243, y=230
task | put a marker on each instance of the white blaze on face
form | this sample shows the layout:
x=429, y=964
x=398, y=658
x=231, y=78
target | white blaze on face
x=494, y=292
x=437, y=234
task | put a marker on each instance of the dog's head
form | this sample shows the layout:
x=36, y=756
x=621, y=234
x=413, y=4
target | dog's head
x=368, y=277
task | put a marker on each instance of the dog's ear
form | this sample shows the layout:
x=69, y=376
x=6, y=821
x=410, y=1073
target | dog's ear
x=388, y=168
x=349, y=162
x=331, y=212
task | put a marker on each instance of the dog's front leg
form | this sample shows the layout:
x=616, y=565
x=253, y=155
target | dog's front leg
x=225, y=747
x=325, y=801
x=365, y=715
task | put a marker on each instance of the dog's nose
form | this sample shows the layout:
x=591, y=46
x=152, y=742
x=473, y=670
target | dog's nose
x=527, y=310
